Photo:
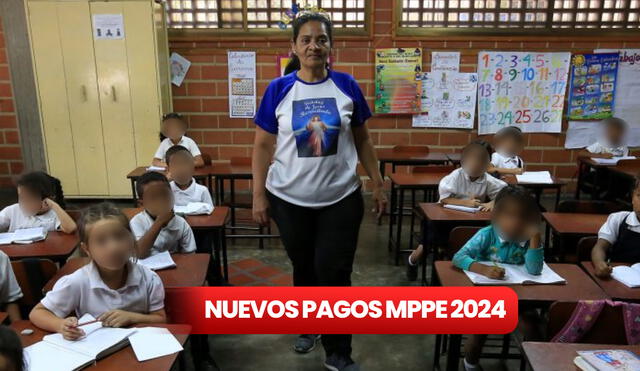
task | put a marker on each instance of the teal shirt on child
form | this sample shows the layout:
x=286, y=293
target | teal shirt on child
x=487, y=245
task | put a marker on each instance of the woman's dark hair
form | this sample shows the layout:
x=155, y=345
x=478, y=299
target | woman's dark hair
x=529, y=208
x=92, y=214
x=294, y=62
x=168, y=116
x=11, y=348
x=43, y=185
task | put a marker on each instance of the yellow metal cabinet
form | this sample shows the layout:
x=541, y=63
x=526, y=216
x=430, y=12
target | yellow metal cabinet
x=101, y=100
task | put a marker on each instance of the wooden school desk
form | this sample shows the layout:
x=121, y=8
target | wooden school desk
x=396, y=158
x=578, y=287
x=230, y=172
x=57, y=247
x=559, y=356
x=585, y=164
x=190, y=270
x=436, y=213
x=570, y=224
x=124, y=359
x=214, y=222
x=613, y=288
x=538, y=188
x=201, y=174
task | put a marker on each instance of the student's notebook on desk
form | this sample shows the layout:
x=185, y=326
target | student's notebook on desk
x=194, y=208
x=158, y=261
x=612, y=160
x=607, y=360
x=24, y=236
x=535, y=177
x=156, y=168
x=629, y=276
x=517, y=275
x=466, y=209
x=54, y=353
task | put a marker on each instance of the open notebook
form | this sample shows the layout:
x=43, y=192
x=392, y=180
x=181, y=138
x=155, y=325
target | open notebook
x=194, y=208
x=27, y=235
x=630, y=276
x=607, y=360
x=158, y=261
x=466, y=209
x=517, y=275
x=535, y=177
x=156, y=168
x=611, y=161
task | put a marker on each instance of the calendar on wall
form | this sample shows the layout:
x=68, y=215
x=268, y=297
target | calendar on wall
x=242, y=84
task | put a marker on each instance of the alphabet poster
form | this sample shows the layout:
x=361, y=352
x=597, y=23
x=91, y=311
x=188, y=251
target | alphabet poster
x=448, y=100
x=521, y=89
x=398, y=83
x=593, y=85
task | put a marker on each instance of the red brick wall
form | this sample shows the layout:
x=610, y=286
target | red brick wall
x=10, y=154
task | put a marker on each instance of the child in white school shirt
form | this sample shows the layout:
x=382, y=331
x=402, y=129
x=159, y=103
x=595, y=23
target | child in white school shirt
x=180, y=165
x=40, y=198
x=509, y=143
x=10, y=291
x=111, y=288
x=612, y=143
x=157, y=228
x=174, y=128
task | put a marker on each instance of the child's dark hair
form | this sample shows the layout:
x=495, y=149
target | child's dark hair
x=522, y=197
x=510, y=132
x=294, y=62
x=482, y=147
x=92, y=214
x=169, y=116
x=43, y=185
x=615, y=121
x=173, y=150
x=11, y=348
x=149, y=177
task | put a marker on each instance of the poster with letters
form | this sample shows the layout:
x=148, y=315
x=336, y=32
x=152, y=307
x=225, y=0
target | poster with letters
x=242, y=84
x=398, y=83
x=592, y=89
x=448, y=100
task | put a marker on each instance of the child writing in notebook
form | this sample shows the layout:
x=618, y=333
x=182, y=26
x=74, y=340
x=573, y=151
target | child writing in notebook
x=180, y=164
x=112, y=288
x=509, y=144
x=157, y=228
x=512, y=238
x=612, y=143
x=10, y=292
x=11, y=354
x=173, y=129
x=619, y=238
x=40, y=204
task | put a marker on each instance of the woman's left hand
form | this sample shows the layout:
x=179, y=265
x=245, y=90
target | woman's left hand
x=380, y=200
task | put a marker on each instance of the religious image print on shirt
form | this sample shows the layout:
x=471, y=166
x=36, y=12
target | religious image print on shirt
x=316, y=126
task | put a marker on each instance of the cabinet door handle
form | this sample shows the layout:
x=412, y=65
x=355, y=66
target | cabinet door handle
x=113, y=93
x=84, y=94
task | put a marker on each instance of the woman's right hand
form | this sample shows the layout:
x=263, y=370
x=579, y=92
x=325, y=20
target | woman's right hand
x=260, y=209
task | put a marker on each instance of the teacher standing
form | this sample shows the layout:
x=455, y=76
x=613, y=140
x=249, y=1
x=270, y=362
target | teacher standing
x=315, y=118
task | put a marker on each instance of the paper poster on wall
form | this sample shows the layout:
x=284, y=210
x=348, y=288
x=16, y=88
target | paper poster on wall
x=593, y=86
x=242, y=84
x=179, y=68
x=398, y=87
x=521, y=89
x=445, y=61
x=108, y=26
x=582, y=133
x=627, y=91
x=448, y=100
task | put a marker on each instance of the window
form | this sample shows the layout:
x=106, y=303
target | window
x=258, y=14
x=519, y=15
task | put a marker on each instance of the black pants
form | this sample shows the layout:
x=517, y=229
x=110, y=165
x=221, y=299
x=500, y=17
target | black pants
x=321, y=244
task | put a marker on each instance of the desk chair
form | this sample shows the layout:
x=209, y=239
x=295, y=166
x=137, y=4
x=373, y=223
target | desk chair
x=601, y=332
x=32, y=275
x=585, y=245
x=418, y=150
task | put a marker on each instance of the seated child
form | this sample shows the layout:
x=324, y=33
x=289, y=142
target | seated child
x=613, y=142
x=512, y=238
x=40, y=198
x=185, y=189
x=10, y=292
x=174, y=128
x=469, y=185
x=619, y=238
x=112, y=288
x=11, y=354
x=157, y=228
x=509, y=144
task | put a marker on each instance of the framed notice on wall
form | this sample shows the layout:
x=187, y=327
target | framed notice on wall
x=521, y=89
x=398, y=80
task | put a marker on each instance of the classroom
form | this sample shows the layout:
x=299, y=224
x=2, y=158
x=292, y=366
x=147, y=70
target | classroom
x=152, y=147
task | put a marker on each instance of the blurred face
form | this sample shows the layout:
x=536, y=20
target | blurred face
x=110, y=244
x=157, y=198
x=312, y=45
x=475, y=163
x=510, y=146
x=181, y=167
x=635, y=200
x=30, y=203
x=174, y=129
x=614, y=134
x=511, y=222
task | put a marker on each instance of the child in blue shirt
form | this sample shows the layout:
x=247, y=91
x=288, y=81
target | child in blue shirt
x=512, y=238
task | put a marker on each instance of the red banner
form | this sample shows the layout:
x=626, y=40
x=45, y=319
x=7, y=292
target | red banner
x=337, y=310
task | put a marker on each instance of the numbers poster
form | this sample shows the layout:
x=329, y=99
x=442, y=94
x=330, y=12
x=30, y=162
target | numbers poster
x=521, y=89
x=593, y=84
x=398, y=83
x=448, y=100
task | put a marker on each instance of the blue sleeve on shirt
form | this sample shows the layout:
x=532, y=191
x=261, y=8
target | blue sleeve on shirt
x=533, y=260
x=470, y=252
x=349, y=86
x=276, y=91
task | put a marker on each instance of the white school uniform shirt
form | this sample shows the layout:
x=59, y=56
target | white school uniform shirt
x=602, y=147
x=502, y=161
x=12, y=218
x=315, y=158
x=84, y=291
x=9, y=289
x=459, y=185
x=609, y=230
x=186, y=142
x=194, y=193
x=176, y=236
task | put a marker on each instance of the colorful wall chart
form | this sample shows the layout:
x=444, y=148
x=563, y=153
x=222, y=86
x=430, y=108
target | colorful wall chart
x=448, y=100
x=593, y=84
x=398, y=87
x=521, y=89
